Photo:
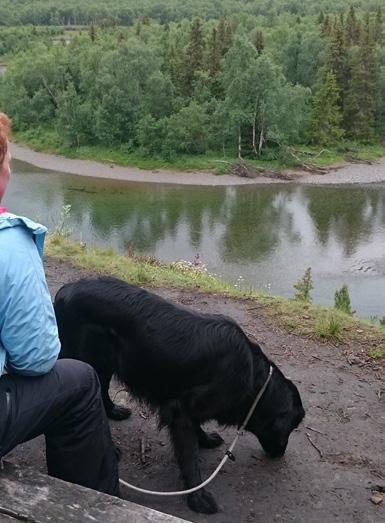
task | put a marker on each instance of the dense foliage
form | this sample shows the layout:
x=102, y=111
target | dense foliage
x=238, y=85
x=16, y=39
x=125, y=12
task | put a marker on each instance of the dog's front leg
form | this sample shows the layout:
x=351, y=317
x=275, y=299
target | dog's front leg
x=185, y=440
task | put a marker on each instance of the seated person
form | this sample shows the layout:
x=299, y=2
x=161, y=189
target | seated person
x=38, y=394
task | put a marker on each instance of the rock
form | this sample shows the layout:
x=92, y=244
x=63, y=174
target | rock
x=377, y=498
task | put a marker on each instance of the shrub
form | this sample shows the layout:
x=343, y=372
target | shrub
x=342, y=300
x=303, y=287
x=62, y=230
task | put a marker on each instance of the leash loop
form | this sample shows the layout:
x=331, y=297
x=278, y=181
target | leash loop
x=228, y=454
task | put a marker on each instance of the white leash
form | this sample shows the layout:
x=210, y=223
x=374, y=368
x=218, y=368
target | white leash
x=228, y=453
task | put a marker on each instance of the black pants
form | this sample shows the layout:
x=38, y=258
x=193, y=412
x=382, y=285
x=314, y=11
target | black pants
x=65, y=405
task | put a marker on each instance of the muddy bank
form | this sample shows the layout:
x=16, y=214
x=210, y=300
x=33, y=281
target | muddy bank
x=334, y=461
x=348, y=174
x=133, y=174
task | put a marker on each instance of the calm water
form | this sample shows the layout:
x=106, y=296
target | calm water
x=263, y=237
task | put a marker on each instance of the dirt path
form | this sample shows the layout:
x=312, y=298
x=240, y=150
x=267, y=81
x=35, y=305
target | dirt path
x=333, y=461
x=348, y=174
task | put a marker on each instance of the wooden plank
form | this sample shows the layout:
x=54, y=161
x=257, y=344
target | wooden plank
x=27, y=495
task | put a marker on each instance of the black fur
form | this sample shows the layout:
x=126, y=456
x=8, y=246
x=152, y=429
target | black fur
x=190, y=367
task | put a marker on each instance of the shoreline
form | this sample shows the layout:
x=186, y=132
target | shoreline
x=355, y=173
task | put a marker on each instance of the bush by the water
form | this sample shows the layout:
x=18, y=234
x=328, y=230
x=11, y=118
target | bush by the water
x=304, y=286
x=342, y=300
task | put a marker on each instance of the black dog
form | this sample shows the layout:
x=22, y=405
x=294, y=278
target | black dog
x=190, y=367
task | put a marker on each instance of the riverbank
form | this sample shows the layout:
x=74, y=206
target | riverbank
x=354, y=173
x=360, y=338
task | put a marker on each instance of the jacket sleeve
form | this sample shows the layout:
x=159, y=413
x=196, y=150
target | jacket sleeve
x=28, y=330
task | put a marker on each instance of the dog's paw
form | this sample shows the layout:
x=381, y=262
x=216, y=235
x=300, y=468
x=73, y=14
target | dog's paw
x=118, y=413
x=202, y=501
x=210, y=440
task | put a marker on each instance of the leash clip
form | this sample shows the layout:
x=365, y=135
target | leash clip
x=230, y=455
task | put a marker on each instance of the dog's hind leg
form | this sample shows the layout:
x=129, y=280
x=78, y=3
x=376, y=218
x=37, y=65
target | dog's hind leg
x=208, y=440
x=113, y=411
x=97, y=347
x=184, y=437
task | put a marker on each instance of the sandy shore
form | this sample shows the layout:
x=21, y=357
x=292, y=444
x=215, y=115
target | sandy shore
x=348, y=174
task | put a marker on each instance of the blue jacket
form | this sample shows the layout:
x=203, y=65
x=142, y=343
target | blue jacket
x=29, y=342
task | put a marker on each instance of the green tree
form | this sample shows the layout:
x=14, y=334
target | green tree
x=342, y=300
x=380, y=102
x=259, y=105
x=214, y=64
x=379, y=28
x=225, y=36
x=121, y=83
x=151, y=134
x=194, y=56
x=187, y=130
x=326, y=117
x=259, y=42
x=337, y=59
x=352, y=32
x=359, y=111
x=304, y=287
x=158, y=95
x=74, y=117
x=238, y=81
x=326, y=27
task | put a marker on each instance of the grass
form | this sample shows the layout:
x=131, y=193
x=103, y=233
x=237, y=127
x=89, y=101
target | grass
x=377, y=353
x=300, y=318
x=329, y=327
x=134, y=269
x=48, y=140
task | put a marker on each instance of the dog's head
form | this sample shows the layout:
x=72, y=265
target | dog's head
x=280, y=412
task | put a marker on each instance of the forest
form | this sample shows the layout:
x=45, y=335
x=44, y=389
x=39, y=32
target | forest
x=244, y=79
x=125, y=12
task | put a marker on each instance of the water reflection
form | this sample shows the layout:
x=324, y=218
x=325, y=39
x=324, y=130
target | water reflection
x=350, y=215
x=268, y=235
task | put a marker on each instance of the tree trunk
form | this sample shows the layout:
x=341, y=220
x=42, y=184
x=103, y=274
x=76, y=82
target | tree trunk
x=261, y=141
x=239, y=144
x=254, y=131
x=254, y=141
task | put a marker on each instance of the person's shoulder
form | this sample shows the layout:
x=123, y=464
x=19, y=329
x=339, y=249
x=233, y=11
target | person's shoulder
x=14, y=241
x=10, y=220
x=10, y=232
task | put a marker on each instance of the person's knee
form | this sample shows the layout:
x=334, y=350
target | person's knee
x=77, y=375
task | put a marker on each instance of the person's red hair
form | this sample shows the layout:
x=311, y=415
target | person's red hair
x=5, y=123
x=3, y=144
x=5, y=131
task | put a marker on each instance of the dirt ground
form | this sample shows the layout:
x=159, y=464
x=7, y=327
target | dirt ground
x=334, y=463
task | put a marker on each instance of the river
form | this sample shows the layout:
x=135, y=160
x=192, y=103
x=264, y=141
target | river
x=258, y=236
